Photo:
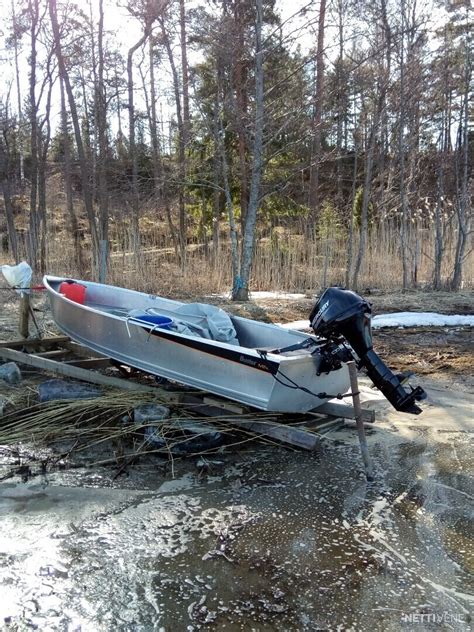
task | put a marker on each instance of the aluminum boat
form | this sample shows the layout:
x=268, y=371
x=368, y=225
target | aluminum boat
x=264, y=366
x=258, y=364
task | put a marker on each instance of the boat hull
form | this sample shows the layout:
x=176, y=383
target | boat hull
x=235, y=372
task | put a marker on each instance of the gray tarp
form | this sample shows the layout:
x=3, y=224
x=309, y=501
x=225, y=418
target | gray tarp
x=205, y=321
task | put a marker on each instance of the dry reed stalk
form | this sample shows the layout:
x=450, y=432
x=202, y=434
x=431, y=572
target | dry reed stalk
x=90, y=424
x=99, y=422
x=288, y=262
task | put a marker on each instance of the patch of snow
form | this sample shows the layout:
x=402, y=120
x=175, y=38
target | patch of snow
x=403, y=319
x=299, y=325
x=421, y=319
x=284, y=296
x=281, y=296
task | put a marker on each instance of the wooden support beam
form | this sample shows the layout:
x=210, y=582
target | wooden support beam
x=33, y=343
x=52, y=353
x=324, y=423
x=369, y=472
x=344, y=411
x=60, y=368
x=79, y=350
x=230, y=407
x=23, y=325
x=90, y=363
x=291, y=435
x=296, y=437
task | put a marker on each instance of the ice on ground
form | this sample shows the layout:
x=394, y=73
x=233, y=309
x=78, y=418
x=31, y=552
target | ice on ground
x=284, y=296
x=281, y=296
x=404, y=319
x=422, y=319
x=296, y=324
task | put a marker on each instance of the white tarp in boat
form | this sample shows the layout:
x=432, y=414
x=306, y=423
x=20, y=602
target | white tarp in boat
x=205, y=321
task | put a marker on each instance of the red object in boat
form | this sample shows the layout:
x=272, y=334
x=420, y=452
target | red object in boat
x=73, y=291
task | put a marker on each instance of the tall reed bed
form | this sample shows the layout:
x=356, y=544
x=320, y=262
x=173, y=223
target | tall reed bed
x=284, y=259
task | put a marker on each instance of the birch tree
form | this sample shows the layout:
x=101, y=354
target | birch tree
x=240, y=290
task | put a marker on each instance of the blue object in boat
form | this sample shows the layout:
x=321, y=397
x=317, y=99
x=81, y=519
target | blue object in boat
x=164, y=322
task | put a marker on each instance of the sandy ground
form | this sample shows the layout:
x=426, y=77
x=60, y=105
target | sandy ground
x=262, y=538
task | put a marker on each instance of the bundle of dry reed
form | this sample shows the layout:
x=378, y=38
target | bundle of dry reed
x=92, y=423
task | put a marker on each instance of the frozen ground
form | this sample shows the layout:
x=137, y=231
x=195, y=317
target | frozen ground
x=266, y=539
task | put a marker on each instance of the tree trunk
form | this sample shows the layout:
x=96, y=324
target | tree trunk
x=216, y=195
x=401, y=153
x=462, y=177
x=184, y=73
x=350, y=246
x=366, y=195
x=33, y=107
x=240, y=290
x=181, y=149
x=102, y=179
x=18, y=93
x=340, y=112
x=159, y=183
x=7, y=198
x=314, y=198
x=234, y=241
x=131, y=141
x=439, y=233
x=85, y=175
x=5, y=179
x=68, y=185
x=240, y=78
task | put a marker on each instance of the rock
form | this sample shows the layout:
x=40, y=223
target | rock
x=209, y=465
x=62, y=389
x=10, y=373
x=150, y=412
x=185, y=436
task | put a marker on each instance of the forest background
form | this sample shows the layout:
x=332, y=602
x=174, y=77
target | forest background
x=238, y=144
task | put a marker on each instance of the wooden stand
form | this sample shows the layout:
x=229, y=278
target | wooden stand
x=59, y=355
x=23, y=325
x=360, y=420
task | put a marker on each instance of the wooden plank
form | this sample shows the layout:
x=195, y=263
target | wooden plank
x=90, y=363
x=352, y=423
x=23, y=325
x=224, y=405
x=344, y=411
x=52, y=353
x=359, y=421
x=79, y=350
x=296, y=437
x=60, y=368
x=290, y=435
x=324, y=423
x=35, y=342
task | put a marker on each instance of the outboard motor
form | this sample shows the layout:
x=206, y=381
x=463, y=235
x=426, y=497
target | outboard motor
x=342, y=313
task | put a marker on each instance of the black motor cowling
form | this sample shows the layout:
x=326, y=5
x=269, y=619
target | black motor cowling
x=342, y=313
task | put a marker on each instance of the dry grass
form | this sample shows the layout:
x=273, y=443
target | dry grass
x=289, y=262
x=284, y=258
x=102, y=431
